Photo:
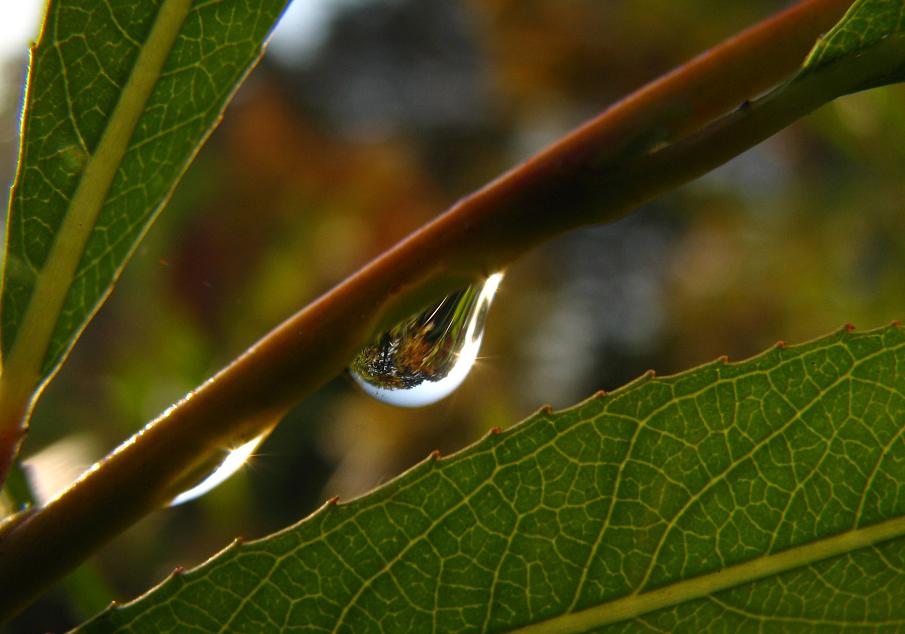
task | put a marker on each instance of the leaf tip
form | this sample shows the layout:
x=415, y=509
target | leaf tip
x=495, y=431
x=895, y=323
x=849, y=327
x=780, y=345
x=332, y=501
x=600, y=394
x=435, y=455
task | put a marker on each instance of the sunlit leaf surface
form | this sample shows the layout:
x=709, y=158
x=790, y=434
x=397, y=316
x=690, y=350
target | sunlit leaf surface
x=764, y=493
x=866, y=24
x=120, y=96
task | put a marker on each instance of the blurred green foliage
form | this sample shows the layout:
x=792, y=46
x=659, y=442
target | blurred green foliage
x=324, y=161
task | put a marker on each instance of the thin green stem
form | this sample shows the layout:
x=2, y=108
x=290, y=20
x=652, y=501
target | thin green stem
x=595, y=174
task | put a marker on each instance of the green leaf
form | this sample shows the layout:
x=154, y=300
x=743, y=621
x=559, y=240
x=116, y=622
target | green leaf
x=867, y=25
x=120, y=96
x=762, y=494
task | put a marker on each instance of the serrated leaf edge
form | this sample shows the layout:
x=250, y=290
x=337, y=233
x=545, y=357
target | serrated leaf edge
x=628, y=606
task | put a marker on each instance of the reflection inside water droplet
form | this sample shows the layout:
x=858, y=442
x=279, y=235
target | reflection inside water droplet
x=425, y=358
x=233, y=461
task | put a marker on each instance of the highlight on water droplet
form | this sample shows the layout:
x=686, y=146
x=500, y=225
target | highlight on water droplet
x=426, y=357
x=233, y=461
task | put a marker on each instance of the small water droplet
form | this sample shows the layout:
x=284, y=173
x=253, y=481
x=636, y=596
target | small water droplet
x=426, y=357
x=221, y=471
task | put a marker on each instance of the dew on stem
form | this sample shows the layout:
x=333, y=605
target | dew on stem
x=426, y=357
x=221, y=471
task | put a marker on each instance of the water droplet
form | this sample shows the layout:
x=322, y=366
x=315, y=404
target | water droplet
x=222, y=470
x=426, y=357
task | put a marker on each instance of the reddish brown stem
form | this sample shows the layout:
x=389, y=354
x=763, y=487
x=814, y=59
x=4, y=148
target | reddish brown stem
x=595, y=174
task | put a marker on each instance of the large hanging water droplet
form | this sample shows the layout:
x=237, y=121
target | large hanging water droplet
x=222, y=469
x=425, y=358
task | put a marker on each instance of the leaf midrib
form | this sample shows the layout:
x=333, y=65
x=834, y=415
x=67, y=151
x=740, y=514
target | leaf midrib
x=632, y=606
x=22, y=366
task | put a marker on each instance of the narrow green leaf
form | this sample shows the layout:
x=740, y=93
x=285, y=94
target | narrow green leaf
x=120, y=96
x=762, y=494
x=866, y=25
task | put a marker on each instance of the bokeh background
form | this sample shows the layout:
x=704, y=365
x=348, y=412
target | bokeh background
x=366, y=119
